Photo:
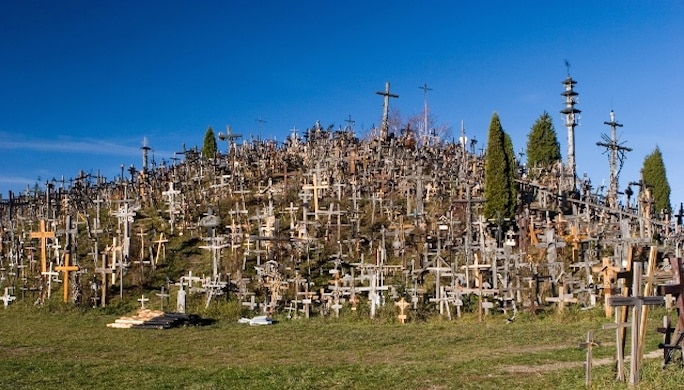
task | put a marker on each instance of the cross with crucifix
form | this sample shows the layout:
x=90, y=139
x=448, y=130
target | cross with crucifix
x=43, y=235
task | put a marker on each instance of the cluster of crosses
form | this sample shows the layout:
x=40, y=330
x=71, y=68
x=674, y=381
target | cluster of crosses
x=326, y=222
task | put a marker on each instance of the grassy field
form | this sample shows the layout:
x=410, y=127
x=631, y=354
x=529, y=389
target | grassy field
x=65, y=348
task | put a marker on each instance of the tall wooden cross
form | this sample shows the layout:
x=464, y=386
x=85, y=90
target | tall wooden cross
x=385, y=110
x=315, y=187
x=637, y=301
x=43, y=235
x=66, y=268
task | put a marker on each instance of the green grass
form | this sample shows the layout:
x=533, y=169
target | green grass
x=71, y=349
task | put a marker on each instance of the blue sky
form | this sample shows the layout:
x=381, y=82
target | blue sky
x=83, y=82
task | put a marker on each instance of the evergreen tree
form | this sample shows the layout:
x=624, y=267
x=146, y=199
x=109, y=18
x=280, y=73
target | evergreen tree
x=209, y=148
x=513, y=172
x=654, y=176
x=500, y=171
x=543, y=149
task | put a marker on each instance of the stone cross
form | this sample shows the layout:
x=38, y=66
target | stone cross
x=43, y=235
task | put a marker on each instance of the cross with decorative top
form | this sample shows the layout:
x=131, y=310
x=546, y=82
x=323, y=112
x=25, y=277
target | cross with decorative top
x=402, y=305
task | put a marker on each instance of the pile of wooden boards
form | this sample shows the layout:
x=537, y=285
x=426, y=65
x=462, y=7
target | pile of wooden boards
x=155, y=319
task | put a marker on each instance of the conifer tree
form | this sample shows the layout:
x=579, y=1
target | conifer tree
x=209, y=148
x=654, y=176
x=543, y=149
x=500, y=171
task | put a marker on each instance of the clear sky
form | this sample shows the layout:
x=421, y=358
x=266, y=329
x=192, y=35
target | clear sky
x=83, y=82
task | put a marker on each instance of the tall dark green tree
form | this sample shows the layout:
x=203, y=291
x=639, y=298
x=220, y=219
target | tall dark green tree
x=654, y=176
x=500, y=172
x=543, y=149
x=209, y=148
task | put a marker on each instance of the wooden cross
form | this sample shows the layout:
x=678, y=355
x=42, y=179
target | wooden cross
x=104, y=270
x=667, y=346
x=49, y=275
x=385, y=110
x=562, y=298
x=589, y=344
x=648, y=291
x=676, y=289
x=66, y=268
x=162, y=296
x=402, y=305
x=315, y=187
x=620, y=327
x=354, y=300
x=43, y=235
x=161, y=248
x=608, y=274
x=251, y=304
x=636, y=301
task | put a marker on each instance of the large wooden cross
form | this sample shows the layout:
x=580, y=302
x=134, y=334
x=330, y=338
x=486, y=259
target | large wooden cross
x=66, y=269
x=608, y=272
x=385, y=109
x=315, y=186
x=43, y=235
x=636, y=301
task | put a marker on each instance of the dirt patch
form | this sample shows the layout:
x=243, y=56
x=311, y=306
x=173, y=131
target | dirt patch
x=565, y=365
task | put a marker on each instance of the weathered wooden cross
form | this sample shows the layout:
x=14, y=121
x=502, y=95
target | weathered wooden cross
x=636, y=301
x=589, y=345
